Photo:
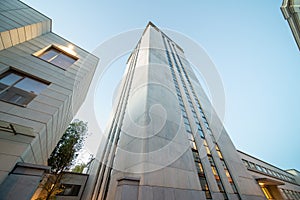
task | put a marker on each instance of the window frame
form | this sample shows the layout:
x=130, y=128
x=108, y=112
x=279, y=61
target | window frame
x=74, y=192
x=23, y=75
x=61, y=51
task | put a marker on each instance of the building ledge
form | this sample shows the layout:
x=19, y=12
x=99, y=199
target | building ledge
x=268, y=181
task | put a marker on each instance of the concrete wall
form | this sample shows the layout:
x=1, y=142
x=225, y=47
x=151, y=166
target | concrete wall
x=73, y=179
x=22, y=182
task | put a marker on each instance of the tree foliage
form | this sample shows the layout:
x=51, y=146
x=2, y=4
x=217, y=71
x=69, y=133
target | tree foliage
x=71, y=142
x=79, y=168
x=63, y=157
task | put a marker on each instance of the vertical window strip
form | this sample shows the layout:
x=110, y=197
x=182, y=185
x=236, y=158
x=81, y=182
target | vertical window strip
x=207, y=124
x=198, y=164
x=192, y=90
x=199, y=128
x=213, y=167
x=230, y=180
x=215, y=170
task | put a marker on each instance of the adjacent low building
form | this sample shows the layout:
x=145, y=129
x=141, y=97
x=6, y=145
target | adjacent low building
x=273, y=181
x=44, y=79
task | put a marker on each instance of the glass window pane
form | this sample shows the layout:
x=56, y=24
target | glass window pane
x=207, y=150
x=220, y=186
x=31, y=85
x=214, y=171
x=193, y=145
x=203, y=183
x=69, y=190
x=18, y=99
x=264, y=169
x=186, y=121
x=190, y=136
x=196, y=156
x=49, y=54
x=201, y=133
x=200, y=168
x=258, y=167
x=188, y=128
x=251, y=165
x=17, y=96
x=63, y=60
x=10, y=79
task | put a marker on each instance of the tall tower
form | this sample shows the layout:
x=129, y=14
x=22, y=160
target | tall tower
x=164, y=139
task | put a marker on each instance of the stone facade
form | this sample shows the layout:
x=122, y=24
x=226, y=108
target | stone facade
x=165, y=140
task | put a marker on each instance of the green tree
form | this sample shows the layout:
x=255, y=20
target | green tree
x=79, y=168
x=65, y=152
x=63, y=156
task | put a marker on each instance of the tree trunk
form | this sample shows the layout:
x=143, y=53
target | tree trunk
x=57, y=180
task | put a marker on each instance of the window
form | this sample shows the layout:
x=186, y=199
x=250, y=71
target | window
x=258, y=167
x=200, y=131
x=180, y=98
x=264, y=170
x=58, y=57
x=18, y=88
x=69, y=190
x=193, y=145
x=194, y=114
x=206, y=124
x=188, y=128
x=269, y=172
x=252, y=165
x=267, y=193
x=217, y=176
x=219, y=152
x=199, y=169
x=206, y=147
x=185, y=120
x=196, y=155
x=188, y=96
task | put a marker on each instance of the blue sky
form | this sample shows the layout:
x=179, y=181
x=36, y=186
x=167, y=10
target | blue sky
x=249, y=42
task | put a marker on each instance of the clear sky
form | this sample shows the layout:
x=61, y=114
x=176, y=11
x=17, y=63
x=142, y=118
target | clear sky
x=249, y=42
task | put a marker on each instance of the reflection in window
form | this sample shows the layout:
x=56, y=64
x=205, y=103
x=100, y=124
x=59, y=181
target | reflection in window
x=217, y=176
x=206, y=147
x=58, y=57
x=258, y=167
x=17, y=88
x=267, y=193
x=193, y=145
x=188, y=128
x=252, y=165
x=69, y=190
